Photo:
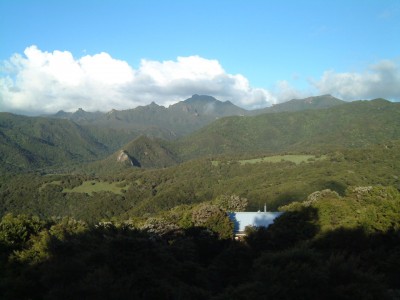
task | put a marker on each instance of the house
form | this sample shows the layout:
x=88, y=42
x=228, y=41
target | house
x=255, y=219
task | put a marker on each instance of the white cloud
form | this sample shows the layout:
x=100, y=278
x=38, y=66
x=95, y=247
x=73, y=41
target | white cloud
x=381, y=80
x=285, y=92
x=45, y=82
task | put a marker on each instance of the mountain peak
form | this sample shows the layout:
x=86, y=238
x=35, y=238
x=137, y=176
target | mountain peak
x=204, y=105
x=203, y=98
x=62, y=114
x=80, y=111
x=153, y=104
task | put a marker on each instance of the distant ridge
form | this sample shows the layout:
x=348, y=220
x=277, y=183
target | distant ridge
x=78, y=116
x=315, y=102
x=200, y=125
x=351, y=125
x=154, y=120
x=186, y=116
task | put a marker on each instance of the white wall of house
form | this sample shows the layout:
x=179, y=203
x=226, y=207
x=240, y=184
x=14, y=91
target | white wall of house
x=256, y=219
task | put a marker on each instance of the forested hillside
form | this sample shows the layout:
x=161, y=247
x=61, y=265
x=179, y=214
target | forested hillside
x=276, y=180
x=353, y=125
x=74, y=193
x=30, y=143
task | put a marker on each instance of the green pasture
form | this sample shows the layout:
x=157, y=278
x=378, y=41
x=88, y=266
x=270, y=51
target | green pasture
x=295, y=158
x=93, y=186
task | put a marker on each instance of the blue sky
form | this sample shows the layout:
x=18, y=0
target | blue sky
x=119, y=54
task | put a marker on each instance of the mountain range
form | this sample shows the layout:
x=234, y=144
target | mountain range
x=158, y=121
x=156, y=136
x=185, y=116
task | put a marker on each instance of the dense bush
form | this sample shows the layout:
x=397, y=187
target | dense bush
x=301, y=256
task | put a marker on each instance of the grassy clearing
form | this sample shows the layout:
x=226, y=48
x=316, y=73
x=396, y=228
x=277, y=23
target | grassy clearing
x=90, y=187
x=297, y=159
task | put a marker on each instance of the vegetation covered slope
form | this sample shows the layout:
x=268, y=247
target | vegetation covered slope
x=318, y=249
x=185, y=116
x=337, y=239
x=351, y=125
x=355, y=124
x=142, y=152
x=28, y=143
x=315, y=102
x=149, y=192
x=90, y=136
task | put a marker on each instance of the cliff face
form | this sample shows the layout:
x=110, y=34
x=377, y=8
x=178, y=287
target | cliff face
x=123, y=157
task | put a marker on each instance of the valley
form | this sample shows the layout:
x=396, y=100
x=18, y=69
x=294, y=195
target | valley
x=274, y=158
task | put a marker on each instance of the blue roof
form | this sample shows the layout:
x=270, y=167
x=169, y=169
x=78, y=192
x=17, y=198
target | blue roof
x=256, y=219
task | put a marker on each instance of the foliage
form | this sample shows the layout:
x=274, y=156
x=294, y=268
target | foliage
x=377, y=209
x=31, y=143
x=231, y=203
x=213, y=218
x=15, y=231
x=127, y=233
x=149, y=192
x=159, y=226
x=352, y=125
x=299, y=256
x=313, y=197
x=59, y=144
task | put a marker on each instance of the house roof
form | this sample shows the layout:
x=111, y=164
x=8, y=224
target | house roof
x=256, y=219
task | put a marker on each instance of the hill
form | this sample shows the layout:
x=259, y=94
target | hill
x=28, y=143
x=316, y=102
x=139, y=193
x=142, y=152
x=352, y=125
x=37, y=142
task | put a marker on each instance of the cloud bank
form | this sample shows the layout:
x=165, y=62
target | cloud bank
x=381, y=80
x=45, y=82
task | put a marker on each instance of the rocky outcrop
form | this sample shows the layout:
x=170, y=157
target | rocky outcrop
x=124, y=157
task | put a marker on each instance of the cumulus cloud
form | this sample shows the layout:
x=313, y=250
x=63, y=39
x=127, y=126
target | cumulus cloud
x=381, y=80
x=45, y=82
x=283, y=91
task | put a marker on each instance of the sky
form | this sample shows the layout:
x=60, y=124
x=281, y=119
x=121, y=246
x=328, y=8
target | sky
x=102, y=55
